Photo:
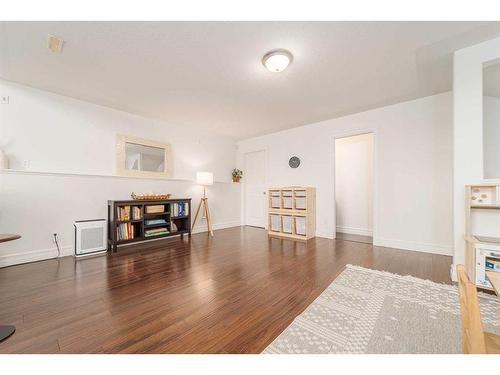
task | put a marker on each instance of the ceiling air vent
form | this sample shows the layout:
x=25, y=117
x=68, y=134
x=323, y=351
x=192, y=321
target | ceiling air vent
x=54, y=43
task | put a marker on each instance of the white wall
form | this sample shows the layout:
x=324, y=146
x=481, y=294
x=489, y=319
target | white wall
x=412, y=169
x=468, y=129
x=354, y=184
x=60, y=134
x=487, y=222
x=69, y=146
x=491, y=137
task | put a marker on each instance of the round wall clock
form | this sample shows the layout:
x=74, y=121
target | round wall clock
x=294, y=162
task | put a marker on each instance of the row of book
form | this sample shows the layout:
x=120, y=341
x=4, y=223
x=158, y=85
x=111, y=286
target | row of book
x=179, y=209
x=156, y=232
x=125, y=213
x=125, y=231
x=129, y=213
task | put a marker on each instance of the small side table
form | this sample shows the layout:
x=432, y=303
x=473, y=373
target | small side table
x=7, y=331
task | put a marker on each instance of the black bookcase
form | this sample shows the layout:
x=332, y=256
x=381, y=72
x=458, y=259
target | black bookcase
x=137, y=228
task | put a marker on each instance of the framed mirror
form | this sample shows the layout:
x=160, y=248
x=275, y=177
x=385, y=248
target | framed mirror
x=142, y=158
x=491, y=120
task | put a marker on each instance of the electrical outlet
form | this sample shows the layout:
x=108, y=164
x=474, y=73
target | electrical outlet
x=4, y=99
x=27, y=164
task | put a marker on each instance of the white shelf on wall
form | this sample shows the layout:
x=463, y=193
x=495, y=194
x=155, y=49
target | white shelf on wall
x=73, y=174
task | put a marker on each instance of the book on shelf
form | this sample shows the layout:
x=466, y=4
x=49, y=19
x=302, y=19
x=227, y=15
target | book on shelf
x=155, y=221
x=155, y=232
x=129, y=213
x=136, y=213
x=125, y=231
x=179, y=209
x=123, y=213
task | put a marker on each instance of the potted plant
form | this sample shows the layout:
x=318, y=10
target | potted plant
x=237, y=175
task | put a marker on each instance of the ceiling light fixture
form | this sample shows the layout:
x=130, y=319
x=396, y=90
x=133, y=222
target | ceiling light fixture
x=277, y=60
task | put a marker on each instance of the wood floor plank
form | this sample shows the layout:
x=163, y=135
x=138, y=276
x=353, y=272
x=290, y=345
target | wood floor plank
x=233, y=293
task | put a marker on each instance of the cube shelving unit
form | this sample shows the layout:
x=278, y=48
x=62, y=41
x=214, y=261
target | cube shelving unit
x=477, y=198
x=292, y=212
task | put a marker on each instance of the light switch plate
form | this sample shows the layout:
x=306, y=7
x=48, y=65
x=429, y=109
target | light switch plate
x=4, y=99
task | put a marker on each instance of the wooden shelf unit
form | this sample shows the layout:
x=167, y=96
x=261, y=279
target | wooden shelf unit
x=183, y=223
x=292, y=212
x=479, y=197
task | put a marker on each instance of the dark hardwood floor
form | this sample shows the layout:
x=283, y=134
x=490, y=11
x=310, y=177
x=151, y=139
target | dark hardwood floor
x=233, y=293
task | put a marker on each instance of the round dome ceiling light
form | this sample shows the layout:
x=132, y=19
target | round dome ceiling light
x=277, y=60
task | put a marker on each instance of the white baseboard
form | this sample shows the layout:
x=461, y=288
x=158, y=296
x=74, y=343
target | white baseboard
x=395, y=244
x=414, y=246
x=34, y=256
x=453, y=273
x=357, y=231
x=202, y=227
x=44, y=254
x=328, y=235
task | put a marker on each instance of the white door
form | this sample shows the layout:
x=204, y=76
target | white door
x=254, y=180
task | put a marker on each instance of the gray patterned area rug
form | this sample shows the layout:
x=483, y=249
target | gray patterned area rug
x=367, y=311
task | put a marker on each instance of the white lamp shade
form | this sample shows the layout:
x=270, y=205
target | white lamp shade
x=205, y=178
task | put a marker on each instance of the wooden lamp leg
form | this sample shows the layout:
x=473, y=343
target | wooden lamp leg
x=197, y=212
x=206, y=212
x=209, y=218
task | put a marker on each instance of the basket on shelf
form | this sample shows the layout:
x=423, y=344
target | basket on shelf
x=150, y=197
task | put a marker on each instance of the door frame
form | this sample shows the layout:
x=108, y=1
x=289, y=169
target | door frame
x=243, y=190
x=375, y=196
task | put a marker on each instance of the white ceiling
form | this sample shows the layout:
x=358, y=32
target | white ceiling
x=209, y=74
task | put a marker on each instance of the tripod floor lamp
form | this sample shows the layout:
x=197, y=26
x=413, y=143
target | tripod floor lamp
x=204, y=179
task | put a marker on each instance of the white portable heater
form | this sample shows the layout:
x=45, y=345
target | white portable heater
x=90, y=237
